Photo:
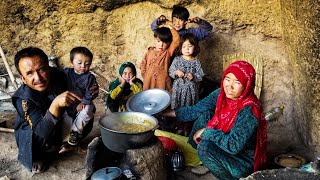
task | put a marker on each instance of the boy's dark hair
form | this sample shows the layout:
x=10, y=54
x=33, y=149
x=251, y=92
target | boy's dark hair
x=81, y=50
x=180, y=13
x=193, y=40
x=164, y=34
x=29, y=52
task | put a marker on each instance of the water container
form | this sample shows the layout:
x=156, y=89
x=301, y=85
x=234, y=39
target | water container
x=273, y=113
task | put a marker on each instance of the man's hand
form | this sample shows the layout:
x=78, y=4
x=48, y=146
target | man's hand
x=64, y=99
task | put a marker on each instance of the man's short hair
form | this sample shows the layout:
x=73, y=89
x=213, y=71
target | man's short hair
x=81, y=50
x=180, y=13
x=29, y=52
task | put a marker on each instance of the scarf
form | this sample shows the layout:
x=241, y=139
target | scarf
x=227, y=109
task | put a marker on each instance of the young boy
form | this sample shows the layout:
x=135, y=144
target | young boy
x=180, y=18
x=80, y=80
x=155, y=64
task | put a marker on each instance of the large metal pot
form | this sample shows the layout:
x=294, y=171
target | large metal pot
x=119, y=141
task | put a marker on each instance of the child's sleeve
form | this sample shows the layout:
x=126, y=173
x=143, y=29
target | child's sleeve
x=175, y=41
x=199, y=72
x=88, y=98
x=202, y=31
x=115, y=92
x=136, y=87
x=173, y=68
x=143, y=65
x=154, y=24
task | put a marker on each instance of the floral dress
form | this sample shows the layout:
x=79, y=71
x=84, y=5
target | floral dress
x=185, y=91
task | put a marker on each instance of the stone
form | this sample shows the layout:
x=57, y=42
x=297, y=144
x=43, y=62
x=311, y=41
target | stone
x=148, y=162
x=145, y=163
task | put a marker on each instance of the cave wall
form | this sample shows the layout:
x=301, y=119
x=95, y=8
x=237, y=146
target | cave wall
x=280, y=32
x=301, y=36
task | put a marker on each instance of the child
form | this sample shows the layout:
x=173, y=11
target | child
x=155, y=64
x=80, y=80
x=123, y=88
x=187, y=73
x=180, y=18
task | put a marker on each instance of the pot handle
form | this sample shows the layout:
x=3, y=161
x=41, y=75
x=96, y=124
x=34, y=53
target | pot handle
x=156, y=127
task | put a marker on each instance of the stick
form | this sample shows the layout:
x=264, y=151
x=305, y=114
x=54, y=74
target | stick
x=8, y=68
x=9, y=130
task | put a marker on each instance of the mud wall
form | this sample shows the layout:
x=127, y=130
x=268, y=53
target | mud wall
x=281, y=32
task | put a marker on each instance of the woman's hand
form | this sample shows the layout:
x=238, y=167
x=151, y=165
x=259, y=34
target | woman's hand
x=196, y=136
x=179, y=73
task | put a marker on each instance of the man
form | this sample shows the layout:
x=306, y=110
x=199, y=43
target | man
x=40, y=103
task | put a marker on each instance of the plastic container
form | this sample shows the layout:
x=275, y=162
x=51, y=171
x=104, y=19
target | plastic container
x=274, y=112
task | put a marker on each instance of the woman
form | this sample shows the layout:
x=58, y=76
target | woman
x=230, y=131
x=123, y=88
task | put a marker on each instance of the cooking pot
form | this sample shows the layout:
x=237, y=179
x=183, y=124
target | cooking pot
x=117, y=139
x=108, y=173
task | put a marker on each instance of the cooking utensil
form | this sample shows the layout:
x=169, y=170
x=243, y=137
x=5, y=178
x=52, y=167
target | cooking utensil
x=177, y=161
x=151, y=101
x=119, y=141
x=108, y=173
x=289, y=160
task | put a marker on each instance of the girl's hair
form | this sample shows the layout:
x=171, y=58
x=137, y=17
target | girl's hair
x=164, y=34
x=193, y=40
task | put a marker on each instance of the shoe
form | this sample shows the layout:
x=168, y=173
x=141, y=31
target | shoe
x=38, y=167
x=74, y=138
x=200, y=170
x=66, y=147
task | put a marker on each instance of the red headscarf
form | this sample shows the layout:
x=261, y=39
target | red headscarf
x=227, y=110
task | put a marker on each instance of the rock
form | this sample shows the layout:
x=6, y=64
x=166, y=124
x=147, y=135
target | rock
x=148, y=163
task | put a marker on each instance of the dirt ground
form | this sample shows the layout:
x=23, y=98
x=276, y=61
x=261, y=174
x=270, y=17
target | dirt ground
x=67, y=166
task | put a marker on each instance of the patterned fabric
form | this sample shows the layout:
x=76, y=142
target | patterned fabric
x=227, y=110
x=185, y=91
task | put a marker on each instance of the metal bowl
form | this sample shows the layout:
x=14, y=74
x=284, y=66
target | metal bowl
x=120, y=141
x=289, y=160
x=151, y=101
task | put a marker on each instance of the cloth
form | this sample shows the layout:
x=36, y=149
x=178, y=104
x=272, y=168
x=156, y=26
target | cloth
x=83, y=117
x=202, y=31
x=155, y=66
x=36, y=128
x=227, y=110
x=119, y=96
x=185, y=92
x=218, y=151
